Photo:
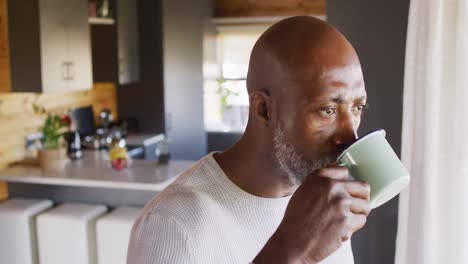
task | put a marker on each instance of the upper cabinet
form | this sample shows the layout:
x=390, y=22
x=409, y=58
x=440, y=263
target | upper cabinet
x=127, y=32
x=50, y=46
x=115, y=46
x=65, y=45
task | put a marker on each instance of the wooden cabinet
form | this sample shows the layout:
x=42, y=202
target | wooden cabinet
x=4, y=52
x=242, y=8
x=56, y=35
x=127, y=33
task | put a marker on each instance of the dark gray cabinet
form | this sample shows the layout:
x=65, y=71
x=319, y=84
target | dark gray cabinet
x=115, y=46
x=127, y=32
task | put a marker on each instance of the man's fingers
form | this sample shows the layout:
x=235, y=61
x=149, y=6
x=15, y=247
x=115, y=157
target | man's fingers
x=357, y=222
x=359, y=206
x=358, y=189
x=335, y=173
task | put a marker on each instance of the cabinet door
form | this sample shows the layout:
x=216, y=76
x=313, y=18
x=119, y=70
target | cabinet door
x=79, y=47
x=65, y=45
x=127, y=31
x=52, y=28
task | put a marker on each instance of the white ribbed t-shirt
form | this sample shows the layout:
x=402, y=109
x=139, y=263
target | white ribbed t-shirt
x=203, y=217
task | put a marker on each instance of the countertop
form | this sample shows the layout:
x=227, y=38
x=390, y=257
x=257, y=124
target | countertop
x=94, y=171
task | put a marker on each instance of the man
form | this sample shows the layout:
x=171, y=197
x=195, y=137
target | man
x=276, y=196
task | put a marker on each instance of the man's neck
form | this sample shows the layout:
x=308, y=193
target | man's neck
x=253, y=171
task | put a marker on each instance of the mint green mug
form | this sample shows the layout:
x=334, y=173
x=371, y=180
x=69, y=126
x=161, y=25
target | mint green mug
x=372, y=159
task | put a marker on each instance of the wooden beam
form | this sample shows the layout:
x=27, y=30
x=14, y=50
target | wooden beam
x=3, y=191
x=253, y=8
x=5, y=78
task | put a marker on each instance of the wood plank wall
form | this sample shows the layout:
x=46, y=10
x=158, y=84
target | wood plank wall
x=3, y=191
x=249, y=8
x=17, y=116
x=5, y=78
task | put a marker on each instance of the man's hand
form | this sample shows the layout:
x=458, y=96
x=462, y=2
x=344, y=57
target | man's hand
x=322, y=214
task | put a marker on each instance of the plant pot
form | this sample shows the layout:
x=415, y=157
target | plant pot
x=53, y=159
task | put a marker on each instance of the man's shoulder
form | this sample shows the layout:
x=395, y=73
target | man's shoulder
x=187, y=197
x=180, y=209
x=174, y=225
x=178, y=199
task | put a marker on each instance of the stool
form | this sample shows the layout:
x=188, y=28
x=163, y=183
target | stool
x=18, y=242
x=113, y=233
x=67, y=234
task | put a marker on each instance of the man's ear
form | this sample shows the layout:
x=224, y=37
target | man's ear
x=261, y=106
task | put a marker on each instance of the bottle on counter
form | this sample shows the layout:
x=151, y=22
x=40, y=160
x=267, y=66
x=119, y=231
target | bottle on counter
x=162, y=152
x=73, y=140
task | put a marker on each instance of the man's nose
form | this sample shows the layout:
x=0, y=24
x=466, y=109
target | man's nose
x=346, y=132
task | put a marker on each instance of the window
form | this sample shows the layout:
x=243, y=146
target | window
x=226, y=60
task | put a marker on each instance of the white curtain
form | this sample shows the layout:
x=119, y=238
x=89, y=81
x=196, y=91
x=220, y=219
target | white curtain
x=433, y=216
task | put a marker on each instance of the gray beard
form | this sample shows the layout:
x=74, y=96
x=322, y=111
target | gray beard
x=296, y=167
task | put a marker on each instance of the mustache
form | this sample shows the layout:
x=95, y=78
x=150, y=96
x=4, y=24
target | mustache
x=331, y=156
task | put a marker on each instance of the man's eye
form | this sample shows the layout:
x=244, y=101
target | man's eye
x=359, y=108
x=327, y=112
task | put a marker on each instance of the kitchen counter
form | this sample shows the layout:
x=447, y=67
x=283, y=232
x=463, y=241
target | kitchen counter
x=94, y=171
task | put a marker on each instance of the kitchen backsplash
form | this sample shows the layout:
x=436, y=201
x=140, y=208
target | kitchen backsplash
x=17, y=116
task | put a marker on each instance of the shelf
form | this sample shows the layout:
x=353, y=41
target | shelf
x=101, y=21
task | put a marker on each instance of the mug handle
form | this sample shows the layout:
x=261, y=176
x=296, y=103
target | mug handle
x=350, y=158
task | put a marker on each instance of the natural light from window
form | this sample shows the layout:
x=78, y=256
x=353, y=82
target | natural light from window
x=226, y=60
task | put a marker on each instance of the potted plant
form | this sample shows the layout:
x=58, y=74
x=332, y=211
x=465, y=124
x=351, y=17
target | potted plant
x=53, y=154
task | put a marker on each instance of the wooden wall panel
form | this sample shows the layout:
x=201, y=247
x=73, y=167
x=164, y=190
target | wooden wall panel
x=3, y=191
x=17, y=117
x=249, y=8
x=5, y=78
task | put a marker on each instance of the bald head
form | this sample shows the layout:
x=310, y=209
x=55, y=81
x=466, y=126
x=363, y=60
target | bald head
x=307, y=96
x=295, y=48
